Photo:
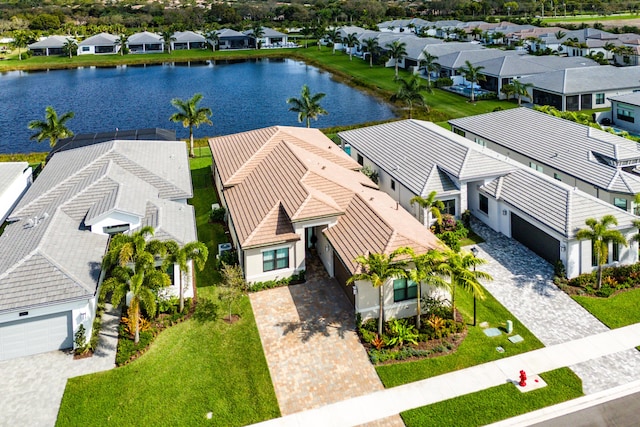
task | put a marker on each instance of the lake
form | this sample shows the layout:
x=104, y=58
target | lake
x=243, y=95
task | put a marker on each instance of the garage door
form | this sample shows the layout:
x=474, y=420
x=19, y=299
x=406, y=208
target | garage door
x=35, y=335
x=341, y=274
x=535, y=239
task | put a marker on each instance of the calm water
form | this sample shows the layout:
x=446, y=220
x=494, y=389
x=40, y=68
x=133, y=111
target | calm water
x=242, y=96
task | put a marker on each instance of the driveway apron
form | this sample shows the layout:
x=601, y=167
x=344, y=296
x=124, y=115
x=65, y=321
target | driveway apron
x=309, y=340
x=523, y=283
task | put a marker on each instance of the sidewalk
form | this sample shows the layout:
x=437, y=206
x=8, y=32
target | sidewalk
x=364, y=409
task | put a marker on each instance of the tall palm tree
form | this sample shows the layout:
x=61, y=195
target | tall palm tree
x=425, y=270
x=372, y=46
x=307, y=106
x=193, y=251
x=520, y=89
x=351, y=41
x=409, y=93
x=460, y=267
x=429, y=64
x=333, y=34
x=600, y=234
x=476, y=32
x=167, y=38
x=431, y=204
x=213, y=37
x=21, y=40
x=472, y=75
x=379, y=269
x=52, y=128
x=190, y=115
x=122, y=41
x=70, y=47
x=397, y=51
x=257, y=32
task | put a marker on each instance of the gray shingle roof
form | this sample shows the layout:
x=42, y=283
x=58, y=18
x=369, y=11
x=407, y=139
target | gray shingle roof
x=188, y=36
x=9, y=172
x=144, y=37
x=50, y=42
x=563, y=145
x=523, y=65
x=102, y=39
x=399, y=147
x=457, y=59
x=228, y=32
x=630, y=98
x=587, y=79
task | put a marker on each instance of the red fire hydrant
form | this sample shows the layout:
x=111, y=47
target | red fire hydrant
x=523, y=378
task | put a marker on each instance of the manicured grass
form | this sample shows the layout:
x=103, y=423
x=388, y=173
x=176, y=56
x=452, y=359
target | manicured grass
x=497, y=403
x=589, y=18
x=191, y=369
x=32, y=158
x=616, y=311
x=477, y=348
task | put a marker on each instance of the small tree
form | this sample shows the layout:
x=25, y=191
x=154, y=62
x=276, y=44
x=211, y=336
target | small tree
x=409, y=93
x=213, y=38
x=257, y=32
x=333, y=34
x=190, y=115
x=21, y=40
x=521, y=89
x=167, y=38
x=233, y=286
x=397, y=50
x=70, y=47
x=371, y=45
x=429, y=64
x=430, y=204
x=351, y=41
x=122, y=41
x=472, y=75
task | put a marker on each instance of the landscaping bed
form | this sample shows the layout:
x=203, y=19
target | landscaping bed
x=614, y=281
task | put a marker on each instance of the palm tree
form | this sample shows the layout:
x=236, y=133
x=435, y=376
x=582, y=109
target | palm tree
x=190, y=115
x=257, y=32
x=167, y=38
x=431, y=204
x=70, y=47
x=458, y=267
x=397, y=51
x=135, y=248
x=21, y=39
x=559, y=35
x=472, y=75
x=372, y=46
x=425, y=271
x=122, y=42
x=213, y=37
x=378, y=269
x=193, y=251
x=52, y=128
x=600, y=235
x=351, y=41
x=498, y=36
x=333, y=34
x=429, y=64
x=520, y=89
x=409, y=93
x=307, y=106
x=476, y=32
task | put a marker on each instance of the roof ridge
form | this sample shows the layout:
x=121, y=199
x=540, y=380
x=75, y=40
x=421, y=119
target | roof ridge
x=568, y=216
x=255, y=230
x=254, y=160
x=499, y=185
x=64, y=272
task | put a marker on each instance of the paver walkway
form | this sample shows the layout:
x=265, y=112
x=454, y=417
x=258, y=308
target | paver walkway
x=523, y=284
x=32, y=387
x=312, y=350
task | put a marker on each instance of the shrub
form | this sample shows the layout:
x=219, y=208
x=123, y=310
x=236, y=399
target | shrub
x=206, y=310
x=466, y=215
x=227, y=257
x=168, y=305
x=559, y=270
x=443, y=82
x=605, y=291
x=401, y=332
x=438, y=306
x=217, y=215
x=127, y=348
x=80, y=340
x=370, y=173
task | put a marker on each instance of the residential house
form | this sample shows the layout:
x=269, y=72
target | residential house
x=291, y=193
x=15, y=179
x=414, y=158
x=596, y=162
x=50, y=271
x=583, y=88
x=231, y=39
x=403, y=25
x=625, y=112
x=103, y=43
x=53, y=45
x=270, y=38
x=145, y=42
x=188, y=40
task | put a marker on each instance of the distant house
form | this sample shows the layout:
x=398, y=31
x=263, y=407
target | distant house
x=291, y=193
x=53, y=45
x=414, y=158
x=583, y=88
x=270, y=38
x=50, y=270
x=145, y=42
x=625, y=112
x=102, y=43
x=188, y=40
x=231, y=39
x=15, y=179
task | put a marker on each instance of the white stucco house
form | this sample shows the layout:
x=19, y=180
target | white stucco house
x=625, y=112
x=103, y=43
x=291, y=193
x=15, y=179
x=145, y=42
x=50, y=271
x=52, y=45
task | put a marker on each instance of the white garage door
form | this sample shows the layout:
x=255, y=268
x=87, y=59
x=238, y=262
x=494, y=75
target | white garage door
x=35, y=335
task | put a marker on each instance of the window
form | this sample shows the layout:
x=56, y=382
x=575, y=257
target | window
x=360, y=160
x=625, y=114
x=480, y=141
x=115, y=229
x=393, y=185
x=535, y=166
x=620, y=203
x=599, y=98
x=484, y=204
x=275, y=260
x=404, y=289
x=615, y=252
x=85, y=48
x=557, y=176
x=459, y=132
x=594, y=258
x=449, y=207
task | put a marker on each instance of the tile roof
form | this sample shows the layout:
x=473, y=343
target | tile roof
x=188, y=36
x=629, y=98
x=457, y=59
x=523, y=65
x=102, y=39
x=587, y=79
x=9, y=171
x=49, y=257
x=569, y=147
x=144, y=37
x=277, y=176
x=228, y=32
x=50, y=42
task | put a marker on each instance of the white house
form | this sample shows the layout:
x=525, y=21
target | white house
x=50, y=271
x=625, y=112
x=53, y=45
x=145, y=42
x=291, y=193
x=270, y=38
x=15, y=179
x=188, y=40
x=103, y=43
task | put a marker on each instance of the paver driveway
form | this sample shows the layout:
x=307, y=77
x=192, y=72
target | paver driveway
x=312, y=350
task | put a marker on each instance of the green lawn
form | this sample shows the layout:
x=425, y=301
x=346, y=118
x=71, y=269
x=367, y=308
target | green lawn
x=497, y=403
x=616, y=311
x=477, y=348
x=191, y=369
x=589, y=18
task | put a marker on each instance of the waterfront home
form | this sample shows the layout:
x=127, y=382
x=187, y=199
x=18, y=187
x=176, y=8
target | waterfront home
x=270, y=38
x=291, y=193
x=103, y=43
x=188, y=40
x=414, y=158
x=145, y=42
x=232, y=39
x=53, y=45
x=625, y=112
x=15, y=178
x=50, y=271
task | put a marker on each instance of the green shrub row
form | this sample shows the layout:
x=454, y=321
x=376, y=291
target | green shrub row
x=294, y=279
x=385, y=355
x=613, y=279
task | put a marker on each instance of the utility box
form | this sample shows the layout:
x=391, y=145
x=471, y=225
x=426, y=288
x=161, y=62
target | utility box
x=509, y=326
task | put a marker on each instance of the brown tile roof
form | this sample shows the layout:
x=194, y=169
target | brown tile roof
x=298, y=174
